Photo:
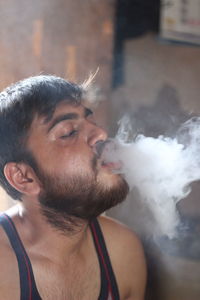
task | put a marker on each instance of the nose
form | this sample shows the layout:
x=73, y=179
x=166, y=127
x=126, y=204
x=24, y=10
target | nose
x=96, y=135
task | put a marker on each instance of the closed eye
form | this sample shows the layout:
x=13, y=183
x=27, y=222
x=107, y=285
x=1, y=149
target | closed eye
x=68, y=135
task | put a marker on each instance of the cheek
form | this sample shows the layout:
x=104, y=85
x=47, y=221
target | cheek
x=69, y=165
x=60, y=160
x=78, y=165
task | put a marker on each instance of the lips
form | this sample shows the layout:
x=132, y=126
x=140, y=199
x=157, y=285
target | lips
x=112, y=165
x=99, y=148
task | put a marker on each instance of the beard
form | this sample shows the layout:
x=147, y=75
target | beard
x=67, y=202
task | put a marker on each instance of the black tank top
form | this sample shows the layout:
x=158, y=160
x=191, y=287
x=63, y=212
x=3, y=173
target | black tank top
x=109, y=289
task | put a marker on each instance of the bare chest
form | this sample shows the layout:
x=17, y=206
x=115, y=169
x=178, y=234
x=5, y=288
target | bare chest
x=73, y=283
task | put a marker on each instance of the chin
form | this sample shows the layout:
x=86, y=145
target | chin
x=108, y=179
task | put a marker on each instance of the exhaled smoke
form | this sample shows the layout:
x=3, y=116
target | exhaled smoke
x=162, y=168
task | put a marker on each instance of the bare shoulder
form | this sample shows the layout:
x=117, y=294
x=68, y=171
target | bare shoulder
x=9, y=278
x=118, y=231
x=121, y=238
x=127, y=257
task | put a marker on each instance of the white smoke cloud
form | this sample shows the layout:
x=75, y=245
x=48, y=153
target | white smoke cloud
x=162, y=168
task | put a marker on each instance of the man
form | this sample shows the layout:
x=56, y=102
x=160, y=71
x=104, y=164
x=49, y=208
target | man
x=54, y=244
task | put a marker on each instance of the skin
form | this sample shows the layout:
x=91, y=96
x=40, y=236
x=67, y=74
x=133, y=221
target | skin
x=66, y=266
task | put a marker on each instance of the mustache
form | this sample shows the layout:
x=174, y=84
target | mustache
x=98, y=150
x=99, y=147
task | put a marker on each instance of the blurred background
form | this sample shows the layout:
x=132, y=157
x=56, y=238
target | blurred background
x=149, y=66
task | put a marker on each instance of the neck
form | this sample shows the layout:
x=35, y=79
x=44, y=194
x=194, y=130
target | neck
x=62, y=222
x=45, y=229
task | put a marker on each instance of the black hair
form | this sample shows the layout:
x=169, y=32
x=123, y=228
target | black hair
x=19, y=103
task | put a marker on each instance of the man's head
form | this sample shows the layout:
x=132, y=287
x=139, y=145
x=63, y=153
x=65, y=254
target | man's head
x=48, y=147
x=19, y=104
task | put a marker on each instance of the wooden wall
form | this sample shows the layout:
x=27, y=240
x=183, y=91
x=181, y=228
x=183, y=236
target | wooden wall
x=62, y=37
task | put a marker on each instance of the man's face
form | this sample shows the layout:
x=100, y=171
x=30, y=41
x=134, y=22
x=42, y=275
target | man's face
x=73, y=178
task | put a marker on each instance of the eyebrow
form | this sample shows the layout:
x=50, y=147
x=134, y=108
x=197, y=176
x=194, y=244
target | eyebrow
x=69, y=116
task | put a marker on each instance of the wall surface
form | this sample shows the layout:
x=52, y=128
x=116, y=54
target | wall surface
x=66, y=38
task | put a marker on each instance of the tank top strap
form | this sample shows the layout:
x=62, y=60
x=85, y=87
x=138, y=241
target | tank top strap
x=104, y=260
x=27, y=282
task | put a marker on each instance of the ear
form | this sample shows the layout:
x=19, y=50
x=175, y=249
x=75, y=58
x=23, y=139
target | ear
x=22, y=177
